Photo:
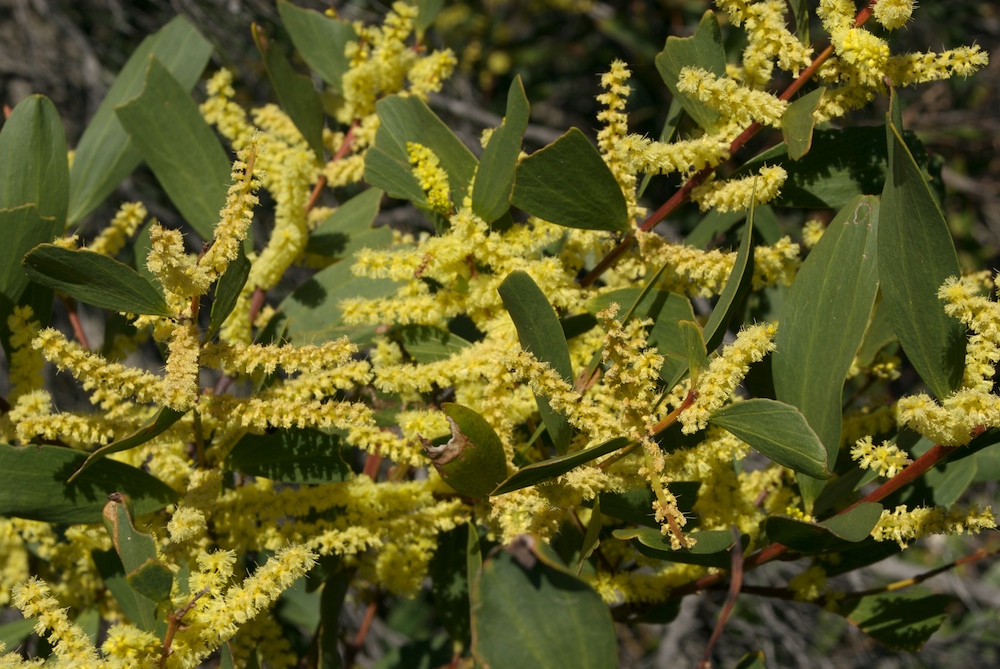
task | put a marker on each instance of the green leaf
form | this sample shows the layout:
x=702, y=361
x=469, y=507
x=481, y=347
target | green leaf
x=313, y=310
x=711, y=549
x=33, y=485
x=427, y=344
x=332, y=598
x=179, y=146
x=227, y=292
x=539, y=616
x=737, y=286
x=13, y=634
x=33, y=161
x=137, y=551
x=320, y=40
x=139, y=609
x=539, y=332
x=553, y=467
x=916, y=254
x=154, y=427
x=22, y=228
x=291, y=456
x=152, y=580
x=592, y=538
x=713, y=225
x=902, y=620
x=349, y=228
x=105, y=154
x=841, y=165
x=797, y=123
x=495, y=178
x=778, y=431
x=829, y=535
x=450, y=582
x=296, y=93
x=693, y=341
x=704, y=49
x=409, y=119
x=428, y=10
x=823, y=321
x=473, y=461
x=94, y=279
x=569, y=184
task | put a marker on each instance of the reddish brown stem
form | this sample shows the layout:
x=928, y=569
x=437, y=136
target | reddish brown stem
x=735, y=585
x=74, y=319
x=359, y=638
x=317, y=189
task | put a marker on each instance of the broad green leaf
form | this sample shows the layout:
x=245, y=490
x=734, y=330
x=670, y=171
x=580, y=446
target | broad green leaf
x=450, y=580
x=320, y=40
x=808, y=537
x=296, y=93
x=539, y=616
x=409, y=119
x=539, y=332
x=569, y=184
x=427, y=344
x=331, y=604
x=23, y=228
x=553, y=467
x=428, y=10
x=179, y=146
x=495, y=178
x=473, y=460
x=704, y=49
x=349, y=228
x=313, y=310
x=797, y=123
x=33, y=485
x=227, y=292
x=711, y=549
x=394, y=176
x=878, y=335
x=291, y=456
x=737, y=286
x=945, y=483
x=916, y=254
x=137, y=608
x=137, y=551
x=94, y=279
x=823, y=321
x=778, y=431
x=154, y=427
x=841, y=165
x=34, y=168
x=904, y=620
x=105, y=154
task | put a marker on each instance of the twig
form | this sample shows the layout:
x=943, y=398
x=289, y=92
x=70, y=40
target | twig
x=735, y=584
x=74, y=319
x=174, y=624
x=359, y=639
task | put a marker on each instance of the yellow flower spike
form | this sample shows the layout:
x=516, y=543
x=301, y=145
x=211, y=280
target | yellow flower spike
x=866, y=53
x=904, y=525
x=112, y=238
x=887, y=459
x=236, y=216
x=740, y=194
x=177, y=272
x=69, y=641
x=180, y=384
x=26, y=364
x=684, y=156
x=615, y=129
x=127, y=645
x=893, y=14
x=724, y=373
x=736, y=103
x=432, y=177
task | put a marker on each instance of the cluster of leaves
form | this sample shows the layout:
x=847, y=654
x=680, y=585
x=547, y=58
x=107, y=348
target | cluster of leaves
x=867, y=291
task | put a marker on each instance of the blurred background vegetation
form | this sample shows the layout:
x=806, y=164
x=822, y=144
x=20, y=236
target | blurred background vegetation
x=70, y=50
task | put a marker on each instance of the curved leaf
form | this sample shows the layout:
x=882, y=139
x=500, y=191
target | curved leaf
x=778, y=431
x=154, y=427
x=539, y=616
x=227, y=292
x=737, y=286
x=427, y=344
x=105, y=154
x=553, y=467
x=179, y=146
x=495, y=178
x=33, y=161
x=711, y=549
x=797, y=123
x=349, y=227
x=539, y=332
x=94, y=279
x=903, y=620
x=809, y=537
x=916, y=255
x=473, y=461
x=569, y=184
x=33, y=485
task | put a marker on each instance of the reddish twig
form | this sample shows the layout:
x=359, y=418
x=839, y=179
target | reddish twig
x=174, y=624
x=74, y=319
x=355, y=646
x=735, y=585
